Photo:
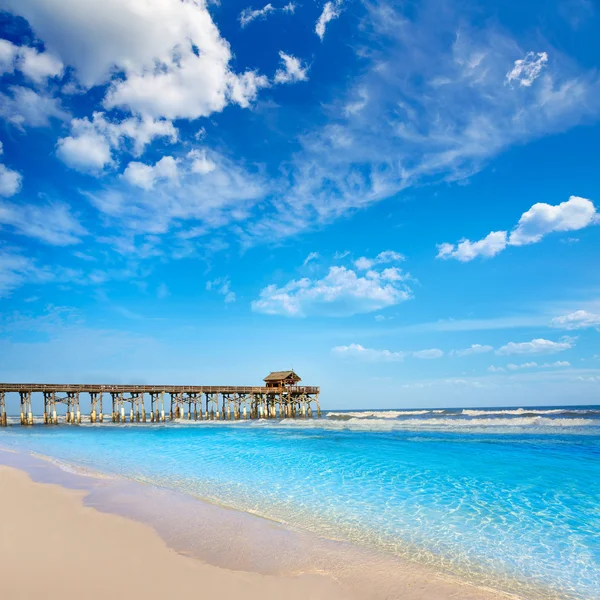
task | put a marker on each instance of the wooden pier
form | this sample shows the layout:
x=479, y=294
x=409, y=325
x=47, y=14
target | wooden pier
x=281, y=397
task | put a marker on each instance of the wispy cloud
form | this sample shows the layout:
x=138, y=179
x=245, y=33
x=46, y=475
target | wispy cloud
x=537, y=346
x=222, y=286
x=249, y=14
x=368, y=354
x=331, y=11
x=372, y=355
x=527, y=70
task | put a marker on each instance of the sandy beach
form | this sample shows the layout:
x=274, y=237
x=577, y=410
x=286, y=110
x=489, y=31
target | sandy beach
x=51, y=546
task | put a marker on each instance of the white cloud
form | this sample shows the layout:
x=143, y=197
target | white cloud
x=467, y=250
x=529, y=365
x=220, y=194
x=474, y=349
x=493, y=369
x=428, y=111
x=537, y=346
x=290, y=7
x=340, y=293
x=10, y=181
x=145, y=176
x=311, y=256
x=527, y=70
x=16, y=270
x=292, y=70
x=38, y=66
x=429, y=354
x=368, y=354
x=8, y=54
x=331, y=11
x=248, y=15
x=85, y=152
x=171, y=56
x=222, y=286
x=557, y=364
x=574, y=214
x=387, y=256
x=580, y=319
x=24, y=107
x=50, y=223
x=90, y=146
x=200, y=162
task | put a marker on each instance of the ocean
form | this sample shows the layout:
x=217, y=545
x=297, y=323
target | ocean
x=505, y=497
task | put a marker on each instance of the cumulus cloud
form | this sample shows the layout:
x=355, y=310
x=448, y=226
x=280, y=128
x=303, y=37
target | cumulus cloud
x=473, y=349
x=493, y=369
x=467, y=250
x=222, y=286
x=10, y=181
x=35, y=65
x=145, y=176
x=38, y=66
x=527, y=70
x=580, y=319
x=90, y=146
x=342, y=292
x=173, y=60
x=541, y=219
x=537, y=346
x=331, y=11
x=50, y=223
x=387, y=256
x=292, y=70
x=368, y=354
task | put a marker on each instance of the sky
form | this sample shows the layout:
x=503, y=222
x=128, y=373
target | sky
x=399, y=200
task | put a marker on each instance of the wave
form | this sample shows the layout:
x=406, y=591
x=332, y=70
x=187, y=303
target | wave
x=531, y=423
x=379, y=414
x=528, y=411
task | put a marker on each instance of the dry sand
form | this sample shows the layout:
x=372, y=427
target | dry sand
x=53, y=547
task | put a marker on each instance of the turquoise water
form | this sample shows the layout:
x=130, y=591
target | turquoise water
x=506, y=497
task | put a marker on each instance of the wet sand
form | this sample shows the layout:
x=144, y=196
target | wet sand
x=54, y=543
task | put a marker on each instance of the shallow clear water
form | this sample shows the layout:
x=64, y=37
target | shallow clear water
x=506, y=497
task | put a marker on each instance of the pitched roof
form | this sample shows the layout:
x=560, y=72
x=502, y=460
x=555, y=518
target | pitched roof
x=279, y=375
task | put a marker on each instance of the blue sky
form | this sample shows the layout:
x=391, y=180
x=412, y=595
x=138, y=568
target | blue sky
x=399, y=200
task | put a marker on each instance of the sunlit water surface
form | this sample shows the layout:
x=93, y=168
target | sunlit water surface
x=505, y=497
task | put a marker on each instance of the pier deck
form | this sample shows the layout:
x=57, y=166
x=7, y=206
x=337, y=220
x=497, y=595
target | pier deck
x=276, y=399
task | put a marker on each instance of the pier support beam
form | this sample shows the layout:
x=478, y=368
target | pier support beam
x=3, y=419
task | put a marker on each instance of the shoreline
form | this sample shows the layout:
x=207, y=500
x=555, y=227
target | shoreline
x=241, y=542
